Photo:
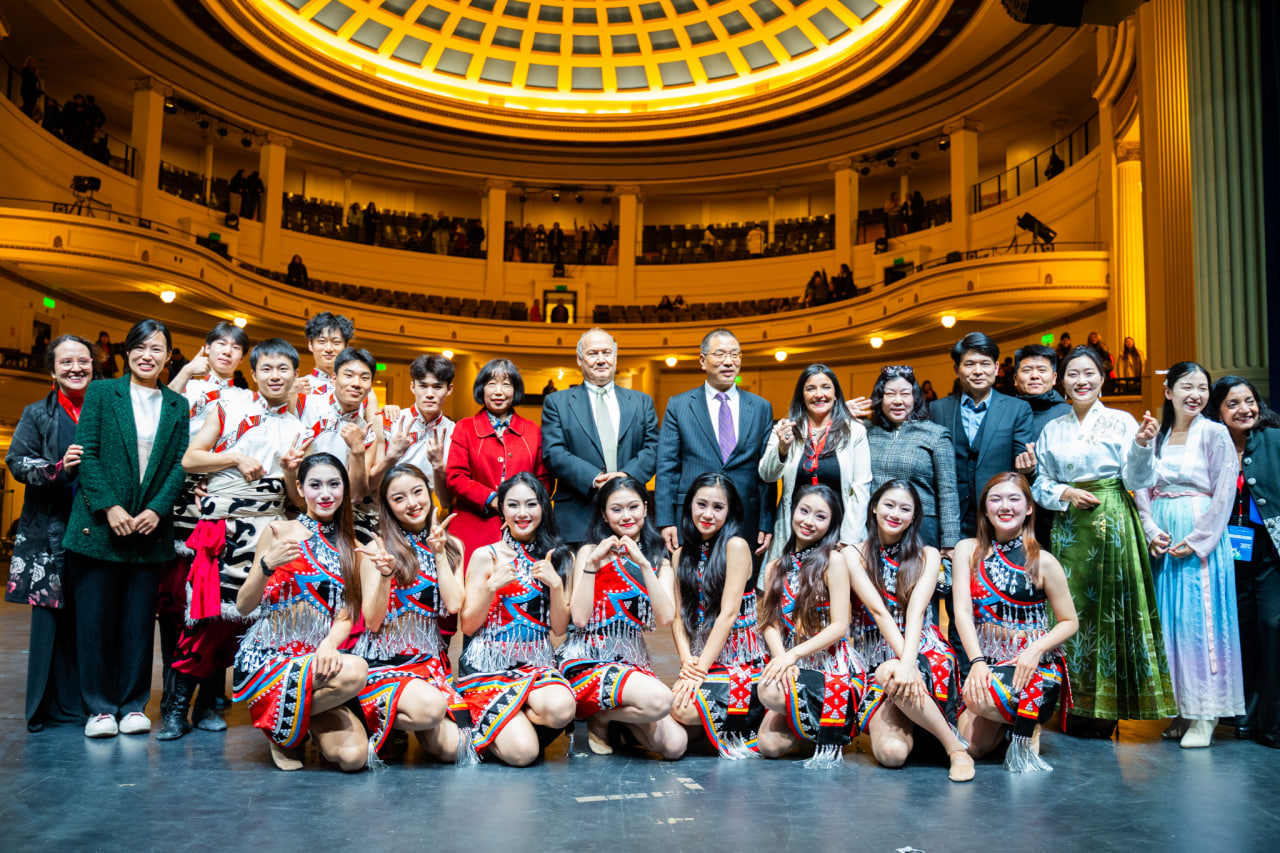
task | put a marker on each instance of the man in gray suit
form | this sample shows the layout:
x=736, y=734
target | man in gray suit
x=594, y=432
x=715, y=427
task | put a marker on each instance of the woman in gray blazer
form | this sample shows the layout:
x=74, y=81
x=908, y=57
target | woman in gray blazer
x=818, y=442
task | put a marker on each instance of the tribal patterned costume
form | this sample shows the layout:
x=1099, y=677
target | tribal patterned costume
x=273, y=669
x=935, y=658
x=1009, y=614
x=408, y=647
x=511, y=655
x=822, y=700
x=727, y=702
x=599, y=658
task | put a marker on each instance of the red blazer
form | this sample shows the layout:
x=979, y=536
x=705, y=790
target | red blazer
x=478, y=463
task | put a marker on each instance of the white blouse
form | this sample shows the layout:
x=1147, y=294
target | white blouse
x=146, y=421
x=1100, y=447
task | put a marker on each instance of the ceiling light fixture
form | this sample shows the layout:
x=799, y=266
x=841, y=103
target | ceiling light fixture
x=168, y=296
x=222, y=130
x=864, y=171
x=891, y=162
x=447, y=354
x=944, y=143
x=877, y=342
x=948, y=320
x=579, y=198
x=671, y=361
x=555, y=195
x=240, y=322
x=780, y=355
x=246, y=141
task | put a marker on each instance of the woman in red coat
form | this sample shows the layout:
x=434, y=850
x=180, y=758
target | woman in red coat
x=490, y=447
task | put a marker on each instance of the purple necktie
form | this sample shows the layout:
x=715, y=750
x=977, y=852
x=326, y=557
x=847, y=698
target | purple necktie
x=727, y=439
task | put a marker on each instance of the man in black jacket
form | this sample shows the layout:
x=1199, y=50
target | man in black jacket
x=1035, y=375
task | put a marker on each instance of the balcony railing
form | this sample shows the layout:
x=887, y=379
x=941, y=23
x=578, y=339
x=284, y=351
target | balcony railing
x=1045, y=166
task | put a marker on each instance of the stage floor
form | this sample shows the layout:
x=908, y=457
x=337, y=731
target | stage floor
x=208, y=791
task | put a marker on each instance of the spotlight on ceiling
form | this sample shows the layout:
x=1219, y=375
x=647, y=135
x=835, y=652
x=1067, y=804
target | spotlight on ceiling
x=606, y=200
x=202, y=123
x=579, y=198
x=447, y=353
x=948, y=320
x=944, y=143
x=891, y=162
x=780, y=355
x=671, y=361
x=222, y=130
x=167, y=296
x=240, y=322
x=864, y=171
x=1039, y=231
x=170, y=106
x=915, y=154
x=555, y=195
x=877, y=342
x=246, y=141
x=523, y=198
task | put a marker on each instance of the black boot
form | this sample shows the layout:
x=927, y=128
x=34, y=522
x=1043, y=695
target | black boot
x=205, y=712
x=173, y=722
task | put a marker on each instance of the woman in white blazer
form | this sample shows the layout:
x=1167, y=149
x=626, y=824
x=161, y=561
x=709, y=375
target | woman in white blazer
x=818, y=442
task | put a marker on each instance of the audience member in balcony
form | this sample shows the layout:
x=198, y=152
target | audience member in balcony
x=297, y=272
x=460, y=241
x=519, y=243
x=842, y=283
x=423, y=433
x=1035, y=381
x=441, y=236
x=906, y=445
x=678, y=303
x=1094, y=342
x=755, y=241
x=1089, y=460
x=710, y=243
x=44, y=456
x=475, y=238
x=251, y=196
x=817, y=291
x=818, y=443
x=549, y=388
x=31, y=90
x=73, y=121
x=535, y=311
x=1129, y=364
x=94, y=120
x=489, y=448
x=235, y=192
x=560, y=313
x=372, y=224
x=930, y=395
x=1005, y=377
x=665, y=304
x=893, y=216
x=916, y=222
x=100, y=149
x=355, y=223
x=595, y=432
x=555, y=243
x=583, y=236
x=1056, y=166
x=716, y=428
x=134, y=432
x=540, y=245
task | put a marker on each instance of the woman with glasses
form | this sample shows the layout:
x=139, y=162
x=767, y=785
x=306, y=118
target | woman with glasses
x=45, y=457
x=818, y=443
x=488, y=448
x=906, y=445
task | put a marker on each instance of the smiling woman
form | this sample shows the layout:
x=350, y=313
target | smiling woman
x=134, y=432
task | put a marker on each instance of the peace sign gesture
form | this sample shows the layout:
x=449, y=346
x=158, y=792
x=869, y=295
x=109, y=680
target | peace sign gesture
x=438, y=538
x=377, y=553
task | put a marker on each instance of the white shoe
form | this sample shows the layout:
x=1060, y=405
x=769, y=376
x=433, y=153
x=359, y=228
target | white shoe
x=101, y=725
x=1199, y=734
x=136, y=723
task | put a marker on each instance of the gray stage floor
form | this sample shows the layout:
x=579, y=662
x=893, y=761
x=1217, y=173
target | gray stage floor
x=207, y=791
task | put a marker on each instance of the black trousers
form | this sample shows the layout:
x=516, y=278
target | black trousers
x=115, y=631
x=1258, y=603
x=53, y=680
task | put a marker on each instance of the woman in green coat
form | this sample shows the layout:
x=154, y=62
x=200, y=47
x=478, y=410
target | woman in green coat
x=134, y=432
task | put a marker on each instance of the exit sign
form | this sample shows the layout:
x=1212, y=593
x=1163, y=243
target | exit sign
x=562, y=287
x=1047, y=339
x=49, y=303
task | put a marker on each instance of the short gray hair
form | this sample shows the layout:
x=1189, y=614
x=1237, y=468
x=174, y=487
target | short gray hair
x=596, y=330
x=717, y=333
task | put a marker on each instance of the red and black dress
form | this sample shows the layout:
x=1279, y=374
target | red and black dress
x=273, y=668
x=600, y=658
x=1010, y=613
x=408, y=647
x=511, y=655
x=935, y=658
x=727, y=702
x=822, y=700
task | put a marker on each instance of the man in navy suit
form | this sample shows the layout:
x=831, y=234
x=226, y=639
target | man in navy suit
x=594, y=432
x=715, y=427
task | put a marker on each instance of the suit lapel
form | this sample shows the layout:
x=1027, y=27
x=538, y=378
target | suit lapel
x=698, y=401
x=580, y=404
x=746, y=417
x=626, y=411
x=124, y=419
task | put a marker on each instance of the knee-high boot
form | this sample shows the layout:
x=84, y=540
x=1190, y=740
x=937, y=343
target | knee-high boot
x=179, y=687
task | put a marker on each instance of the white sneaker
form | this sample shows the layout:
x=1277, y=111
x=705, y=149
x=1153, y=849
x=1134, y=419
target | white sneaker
x=136, y=723
x=101, y=725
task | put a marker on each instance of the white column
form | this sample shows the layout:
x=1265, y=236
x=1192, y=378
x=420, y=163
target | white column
x=145, y=136
x=773, y=198
x=495, y=224
x=846, y=194
x=206, y=166
x=628, y=223
x=271, y=170
x=1129, y=287
x=964, y=174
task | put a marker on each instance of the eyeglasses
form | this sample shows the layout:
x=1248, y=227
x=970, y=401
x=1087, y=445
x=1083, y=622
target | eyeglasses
x=720, y=356
x=68, y=363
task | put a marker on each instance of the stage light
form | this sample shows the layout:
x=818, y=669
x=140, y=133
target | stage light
x=671, y=361
x=1039, y=231
x=202, y=123
x=168, y=296
x=170, y=106
x=915, y=154
x=944, y=143
x=448, y=354
x=606, y=199
x=523, y=198
x=246, y=141
x=240, y=322
x=891, y=162
x=560, y=373
x=948, y=320
x=877, y=342
x=222, y=130
x=579, y=198
x=780, y=355
x=86, y=184
x=864, y=171
x=555, y=195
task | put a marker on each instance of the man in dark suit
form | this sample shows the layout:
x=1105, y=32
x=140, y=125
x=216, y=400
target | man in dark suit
x=715, y=427
x=594, y=432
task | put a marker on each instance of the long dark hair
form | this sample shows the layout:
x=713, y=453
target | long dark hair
x=547, y=536
x=987, y=535
x=911, y=559
x=919, y=405
x=1167, y=414
x=812, y=588
x=649, y=540
x=840, y=418
x=691, y=552
x=344, y=531
x=1268, y=418
x=395, y=536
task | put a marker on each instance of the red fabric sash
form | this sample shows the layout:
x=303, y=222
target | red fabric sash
x=207, y=541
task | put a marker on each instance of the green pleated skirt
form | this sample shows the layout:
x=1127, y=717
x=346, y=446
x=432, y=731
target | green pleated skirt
x=1116, y=660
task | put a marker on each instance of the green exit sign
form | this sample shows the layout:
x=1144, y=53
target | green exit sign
x=49, y=303
x=381, y=367
x=562, y=287
x=1047, y=339
x=737, y=380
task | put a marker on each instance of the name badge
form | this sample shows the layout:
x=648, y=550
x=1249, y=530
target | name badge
x=1241, y=539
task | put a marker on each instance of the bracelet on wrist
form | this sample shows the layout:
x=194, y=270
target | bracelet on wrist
x=980, y=659
x=267, y=571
